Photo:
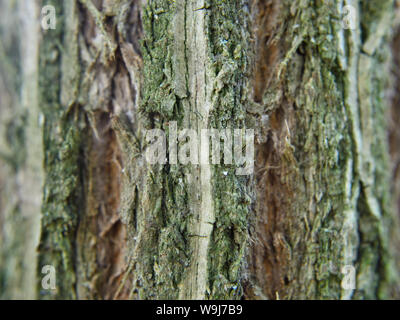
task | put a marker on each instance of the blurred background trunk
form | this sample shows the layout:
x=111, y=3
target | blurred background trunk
x=21, y=172
x=75, y=102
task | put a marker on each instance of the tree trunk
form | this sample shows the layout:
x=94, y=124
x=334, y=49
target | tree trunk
x=320, y=95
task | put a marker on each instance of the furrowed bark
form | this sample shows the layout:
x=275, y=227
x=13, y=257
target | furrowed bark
x=85, y=82
x=323, y=197
x=193, y=73
x=191, y=220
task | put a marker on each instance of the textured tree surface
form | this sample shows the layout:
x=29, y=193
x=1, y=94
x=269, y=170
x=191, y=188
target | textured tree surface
x=76, y=103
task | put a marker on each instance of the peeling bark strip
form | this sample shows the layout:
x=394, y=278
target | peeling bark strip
x=195, y=48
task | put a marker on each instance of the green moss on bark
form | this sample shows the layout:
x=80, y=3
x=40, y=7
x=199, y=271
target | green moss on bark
x=170, y=202
x=63, y=134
